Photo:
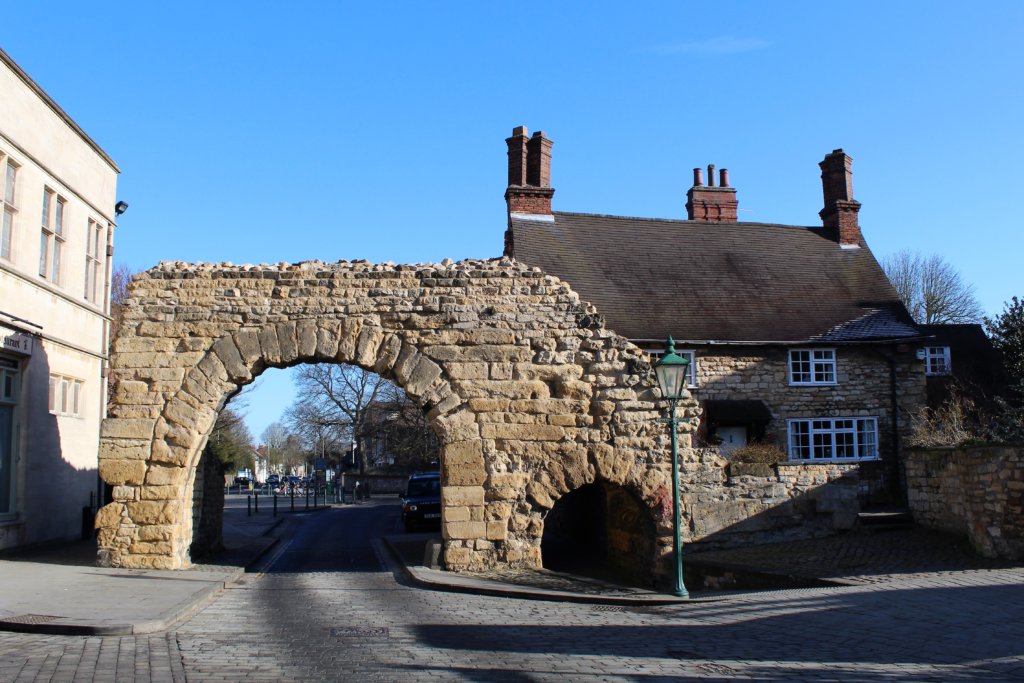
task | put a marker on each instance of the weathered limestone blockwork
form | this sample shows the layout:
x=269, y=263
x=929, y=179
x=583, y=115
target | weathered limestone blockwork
x=529, y=403
x=530, y=397
x=976, y=492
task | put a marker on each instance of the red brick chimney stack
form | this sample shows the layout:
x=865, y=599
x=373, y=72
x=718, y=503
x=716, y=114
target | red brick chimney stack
x=529, y=173
x=709, y=203
x=529, y=190
x=839, y=217
x=517, y=156
x=538, y=160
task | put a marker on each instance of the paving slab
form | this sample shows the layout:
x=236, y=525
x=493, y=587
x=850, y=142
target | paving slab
x=58, y=589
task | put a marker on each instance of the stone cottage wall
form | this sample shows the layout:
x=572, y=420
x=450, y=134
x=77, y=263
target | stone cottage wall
x=862, y=390
x=976, y=492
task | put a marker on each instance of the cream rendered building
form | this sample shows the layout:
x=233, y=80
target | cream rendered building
x=56, y=239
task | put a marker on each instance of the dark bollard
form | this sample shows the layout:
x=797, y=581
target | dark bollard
x=275, y=504
x=248, y=506
x=307, y=497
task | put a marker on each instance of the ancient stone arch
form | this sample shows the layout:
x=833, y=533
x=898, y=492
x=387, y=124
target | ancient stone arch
x=531, y=397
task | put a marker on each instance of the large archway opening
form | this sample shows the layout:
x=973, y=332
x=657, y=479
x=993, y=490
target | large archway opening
x=333, y=433
x=603, y=531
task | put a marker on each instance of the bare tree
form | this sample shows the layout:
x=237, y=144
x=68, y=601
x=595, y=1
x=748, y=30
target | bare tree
x=931, y=289
x=334, y=400
x=280, y=446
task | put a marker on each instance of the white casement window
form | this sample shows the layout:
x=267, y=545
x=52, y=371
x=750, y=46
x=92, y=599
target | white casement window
x=691, y=371
x=93, y=239
x=833, y=438
x=9, y=169
x=936, y=360
x=66, y=395
x=51, y=241
x=812, y=366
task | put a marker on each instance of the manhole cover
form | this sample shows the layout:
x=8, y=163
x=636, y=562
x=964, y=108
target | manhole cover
x=30, y=619
x=359, y=632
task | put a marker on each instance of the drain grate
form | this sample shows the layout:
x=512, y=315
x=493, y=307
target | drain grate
x=31, y=619
x=608, y=608
x=359, y=632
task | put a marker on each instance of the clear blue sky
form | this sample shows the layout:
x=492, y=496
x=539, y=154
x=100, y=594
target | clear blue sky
x=265, y=132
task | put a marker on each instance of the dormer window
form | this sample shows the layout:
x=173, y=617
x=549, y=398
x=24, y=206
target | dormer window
x=812, y=366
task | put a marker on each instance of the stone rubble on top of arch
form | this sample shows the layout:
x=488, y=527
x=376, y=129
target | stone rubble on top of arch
x=530, y=396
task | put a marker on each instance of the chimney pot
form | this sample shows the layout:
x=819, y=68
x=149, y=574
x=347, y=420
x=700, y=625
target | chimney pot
x=709, y=203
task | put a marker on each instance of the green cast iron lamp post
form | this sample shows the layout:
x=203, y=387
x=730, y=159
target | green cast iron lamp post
x=672, y=371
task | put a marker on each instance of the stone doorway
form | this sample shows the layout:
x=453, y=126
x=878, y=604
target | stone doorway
x=600, y=530
x=529, y=395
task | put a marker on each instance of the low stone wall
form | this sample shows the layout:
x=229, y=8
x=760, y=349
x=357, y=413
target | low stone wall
x=976, y=492
x=755, y=504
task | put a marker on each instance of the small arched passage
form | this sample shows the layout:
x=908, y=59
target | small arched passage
x=529, y=395
x=601, y=530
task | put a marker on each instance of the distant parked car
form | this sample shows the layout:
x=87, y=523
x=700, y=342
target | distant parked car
x=421, y=504
x=273, y=480
x=243, y=482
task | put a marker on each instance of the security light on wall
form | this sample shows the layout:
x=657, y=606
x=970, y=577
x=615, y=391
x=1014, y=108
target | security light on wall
x=120, y=208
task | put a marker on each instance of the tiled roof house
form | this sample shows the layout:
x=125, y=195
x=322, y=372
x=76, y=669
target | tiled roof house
x=795, y=334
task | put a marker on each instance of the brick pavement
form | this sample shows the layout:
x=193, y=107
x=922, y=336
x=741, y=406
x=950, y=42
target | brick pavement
x=328, y=626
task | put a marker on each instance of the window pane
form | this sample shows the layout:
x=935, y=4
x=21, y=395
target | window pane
x=42, y=254
x=800, y=366
x=55, y=273
x=822, y=445
x=63, y=396
x=46, y=209
x=58, y=224
x=844, y=445
x=75, y=396
x=5, y=234
x=53, y=393
x=867, y=438
x=9, y=184
x=799, y=440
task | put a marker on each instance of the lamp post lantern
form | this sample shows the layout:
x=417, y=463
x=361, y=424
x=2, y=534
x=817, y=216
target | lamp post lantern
x=672, y=371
